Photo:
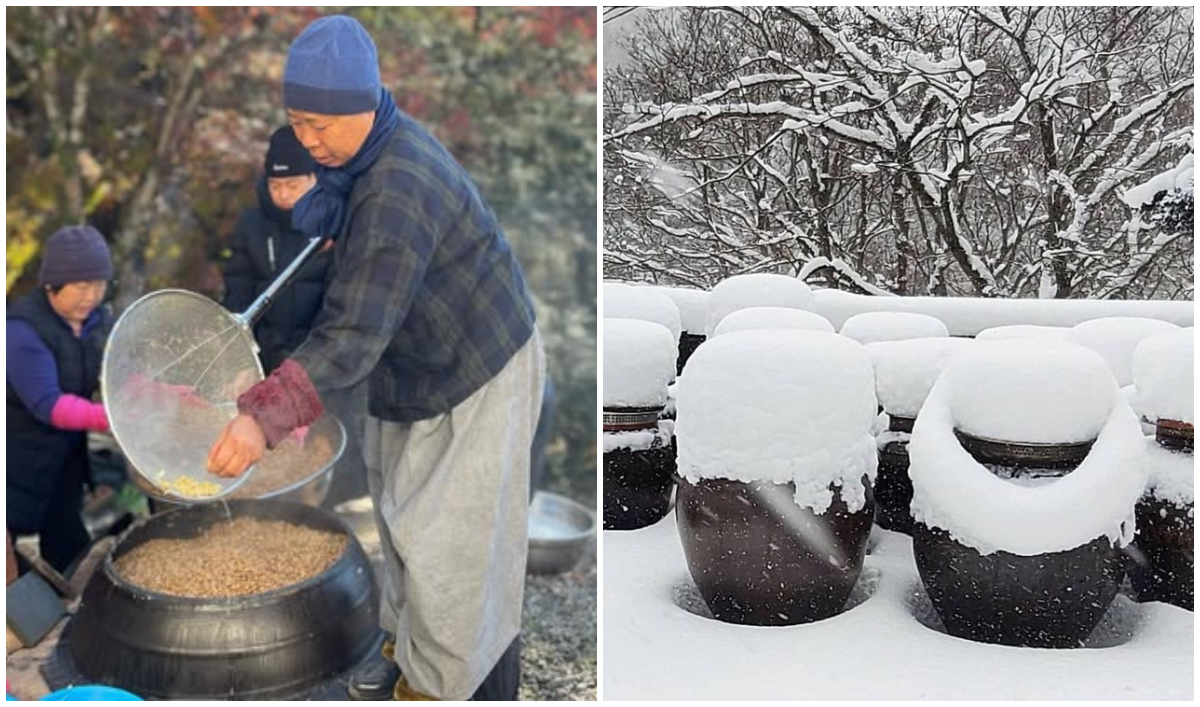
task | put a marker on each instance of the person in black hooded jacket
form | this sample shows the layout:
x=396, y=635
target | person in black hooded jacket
x=264, y=243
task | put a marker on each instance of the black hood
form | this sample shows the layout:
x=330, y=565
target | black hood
x=269, y=209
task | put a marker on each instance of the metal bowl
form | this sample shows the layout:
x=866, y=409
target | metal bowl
x=309, y=490
x=560, y=533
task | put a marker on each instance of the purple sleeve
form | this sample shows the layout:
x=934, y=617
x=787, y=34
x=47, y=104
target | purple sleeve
x=31, y=370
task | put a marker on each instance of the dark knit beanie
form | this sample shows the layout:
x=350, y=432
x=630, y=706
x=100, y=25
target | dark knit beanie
x=332, y=69
x=75, y=254
x=286, y=157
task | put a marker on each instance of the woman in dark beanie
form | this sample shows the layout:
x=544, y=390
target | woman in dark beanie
x=426, y=302
x=56, y=335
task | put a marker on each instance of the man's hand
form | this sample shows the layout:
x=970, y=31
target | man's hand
x=241, y=444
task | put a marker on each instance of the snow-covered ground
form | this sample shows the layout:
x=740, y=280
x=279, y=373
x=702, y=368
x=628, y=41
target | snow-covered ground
x=888, y=646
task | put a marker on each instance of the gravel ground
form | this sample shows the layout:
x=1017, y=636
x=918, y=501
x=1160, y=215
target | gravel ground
x=559, y=657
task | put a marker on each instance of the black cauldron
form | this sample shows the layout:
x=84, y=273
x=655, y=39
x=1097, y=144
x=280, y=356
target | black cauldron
x=758, y=558
x=272, y=645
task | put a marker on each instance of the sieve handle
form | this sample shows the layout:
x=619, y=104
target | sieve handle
x=258, y=306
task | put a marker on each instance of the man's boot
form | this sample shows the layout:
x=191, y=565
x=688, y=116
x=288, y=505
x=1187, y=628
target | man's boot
x=376, y=679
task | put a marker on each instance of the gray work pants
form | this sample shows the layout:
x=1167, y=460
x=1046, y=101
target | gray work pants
x=451, y=500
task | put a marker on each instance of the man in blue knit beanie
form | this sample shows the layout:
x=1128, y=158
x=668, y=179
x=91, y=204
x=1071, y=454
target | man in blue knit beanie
x=427, y=303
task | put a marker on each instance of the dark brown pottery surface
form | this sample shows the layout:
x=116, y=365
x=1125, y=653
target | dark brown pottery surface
x=893, y=489
x=758, y=558
x=637, y=486
x=1051, y=600
x=1022, y=455
x=1164, y=559
x=1173, y=434
x=688, y=343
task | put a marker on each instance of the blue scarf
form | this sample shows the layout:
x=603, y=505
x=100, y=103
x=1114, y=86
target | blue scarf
x=319, y=213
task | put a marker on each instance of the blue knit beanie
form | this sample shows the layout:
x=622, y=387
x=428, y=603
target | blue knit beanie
x=75, y=254
x=332, y=69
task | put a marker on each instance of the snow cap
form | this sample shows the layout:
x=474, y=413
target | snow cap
x=756, y=290
x=1164, y=376
x=870, y=327
x=773, y=318
x=780, y=406
x=639, y=362
x=1029, y=392
x=642, y=303
x=1116, y=338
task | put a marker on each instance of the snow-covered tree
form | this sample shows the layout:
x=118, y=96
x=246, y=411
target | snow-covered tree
x=943, y=150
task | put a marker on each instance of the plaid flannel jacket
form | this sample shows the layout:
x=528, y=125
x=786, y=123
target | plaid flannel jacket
x=425, y=297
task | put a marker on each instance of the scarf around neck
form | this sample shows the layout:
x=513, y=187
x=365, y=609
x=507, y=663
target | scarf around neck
x=320, y=212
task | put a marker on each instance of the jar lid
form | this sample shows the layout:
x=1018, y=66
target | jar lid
x=631, y=419
x=1027, y=455
x=899, y=423
x=1173, y=434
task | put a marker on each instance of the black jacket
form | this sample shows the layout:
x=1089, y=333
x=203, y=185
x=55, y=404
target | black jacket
x=264, y=243
x=42, y=459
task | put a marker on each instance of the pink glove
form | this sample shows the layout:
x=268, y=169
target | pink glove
x=146, y=391
x=300, y=434
x=72, y=412
x=282, y=402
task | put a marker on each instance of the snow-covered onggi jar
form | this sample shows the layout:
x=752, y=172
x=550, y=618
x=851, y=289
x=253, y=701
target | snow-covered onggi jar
x=1116, y=338
x=872, y=327
x=639, y=456
x=905, y=371
x=693, y=309
x=1164, y=374
x=756, y=290
x=1024, y=464
x=752, y=318
x=775, y=460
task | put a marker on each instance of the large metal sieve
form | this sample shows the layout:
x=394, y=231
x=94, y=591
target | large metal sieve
x=173, y=368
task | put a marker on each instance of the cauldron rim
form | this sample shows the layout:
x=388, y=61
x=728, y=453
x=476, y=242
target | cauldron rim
x=191, y=602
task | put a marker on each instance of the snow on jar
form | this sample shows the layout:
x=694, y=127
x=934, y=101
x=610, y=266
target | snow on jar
x=693, y=309
x=756, y=290
x=1116, y=338
x=773, y=318
x=870, y=327
x=1024, y=331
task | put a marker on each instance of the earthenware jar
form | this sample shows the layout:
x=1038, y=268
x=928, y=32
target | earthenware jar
x=775, y=456
x=1023, y=463
x=639, y=457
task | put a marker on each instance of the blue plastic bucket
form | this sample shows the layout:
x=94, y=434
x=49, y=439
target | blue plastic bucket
x=87, y=693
